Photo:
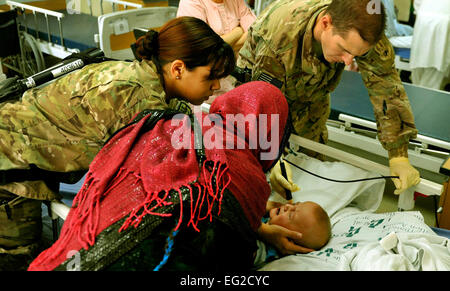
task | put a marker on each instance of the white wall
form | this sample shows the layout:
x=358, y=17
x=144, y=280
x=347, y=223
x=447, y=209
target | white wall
x=403, y=7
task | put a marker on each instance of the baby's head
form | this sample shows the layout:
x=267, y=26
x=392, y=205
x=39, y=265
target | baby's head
x=308, y=218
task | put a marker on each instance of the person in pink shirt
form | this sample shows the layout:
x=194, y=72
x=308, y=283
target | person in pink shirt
x=230, y=19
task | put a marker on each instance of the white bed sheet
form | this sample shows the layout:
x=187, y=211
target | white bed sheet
x=356, y=229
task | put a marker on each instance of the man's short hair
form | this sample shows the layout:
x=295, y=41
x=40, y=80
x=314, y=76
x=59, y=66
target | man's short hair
x=367, y=17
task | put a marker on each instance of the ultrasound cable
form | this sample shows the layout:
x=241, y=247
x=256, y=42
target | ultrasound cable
x=340, y=181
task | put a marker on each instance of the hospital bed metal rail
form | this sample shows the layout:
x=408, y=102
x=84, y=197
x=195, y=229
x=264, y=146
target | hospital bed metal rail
x=419, y=156
x=48, y=46
x=53, y=49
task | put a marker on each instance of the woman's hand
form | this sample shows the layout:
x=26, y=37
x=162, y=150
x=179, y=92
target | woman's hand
x=282, y=238
x=233, y=36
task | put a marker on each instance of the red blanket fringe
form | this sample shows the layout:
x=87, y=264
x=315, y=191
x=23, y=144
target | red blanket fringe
x=86, y=208
x=208, y=195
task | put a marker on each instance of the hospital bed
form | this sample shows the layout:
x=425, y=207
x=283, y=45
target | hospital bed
x=352, y=124
x=356, y=228
x=20, y=52
x=65, y=31
x=111, y=32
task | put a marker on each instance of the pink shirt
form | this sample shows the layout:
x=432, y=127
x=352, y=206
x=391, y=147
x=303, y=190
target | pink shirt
x=221, y=17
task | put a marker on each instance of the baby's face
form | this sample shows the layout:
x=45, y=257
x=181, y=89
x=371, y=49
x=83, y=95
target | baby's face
x=290, y=216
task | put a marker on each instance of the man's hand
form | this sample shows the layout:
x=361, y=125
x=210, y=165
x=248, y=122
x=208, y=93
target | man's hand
x=408, y=175
x=279, y=183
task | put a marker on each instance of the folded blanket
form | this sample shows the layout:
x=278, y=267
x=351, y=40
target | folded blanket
x=401, y=252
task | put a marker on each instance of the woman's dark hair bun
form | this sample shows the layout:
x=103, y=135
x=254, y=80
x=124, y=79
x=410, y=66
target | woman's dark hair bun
x=148, y=45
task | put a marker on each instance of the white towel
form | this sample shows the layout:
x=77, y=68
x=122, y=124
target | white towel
x=410, y=252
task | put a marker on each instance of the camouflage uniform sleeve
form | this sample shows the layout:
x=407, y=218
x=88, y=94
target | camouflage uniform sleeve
x=115, y=104
x=393, y=113
x=257, y=55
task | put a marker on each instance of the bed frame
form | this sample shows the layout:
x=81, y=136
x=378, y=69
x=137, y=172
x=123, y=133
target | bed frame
x=61, y=33
x=116, y=29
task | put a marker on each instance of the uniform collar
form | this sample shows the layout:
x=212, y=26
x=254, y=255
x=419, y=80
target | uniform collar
x=150, y=68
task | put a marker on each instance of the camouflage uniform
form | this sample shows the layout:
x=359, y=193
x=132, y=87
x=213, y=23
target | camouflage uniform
x=62, y=126
x=280, y=44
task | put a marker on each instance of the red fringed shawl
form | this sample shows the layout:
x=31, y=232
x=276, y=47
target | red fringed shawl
x=135, y=169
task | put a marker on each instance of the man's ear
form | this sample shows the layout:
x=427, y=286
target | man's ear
x=326, y=22
x=177, y=68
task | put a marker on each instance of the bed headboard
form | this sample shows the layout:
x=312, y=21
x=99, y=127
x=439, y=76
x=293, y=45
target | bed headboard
x=116, y=29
